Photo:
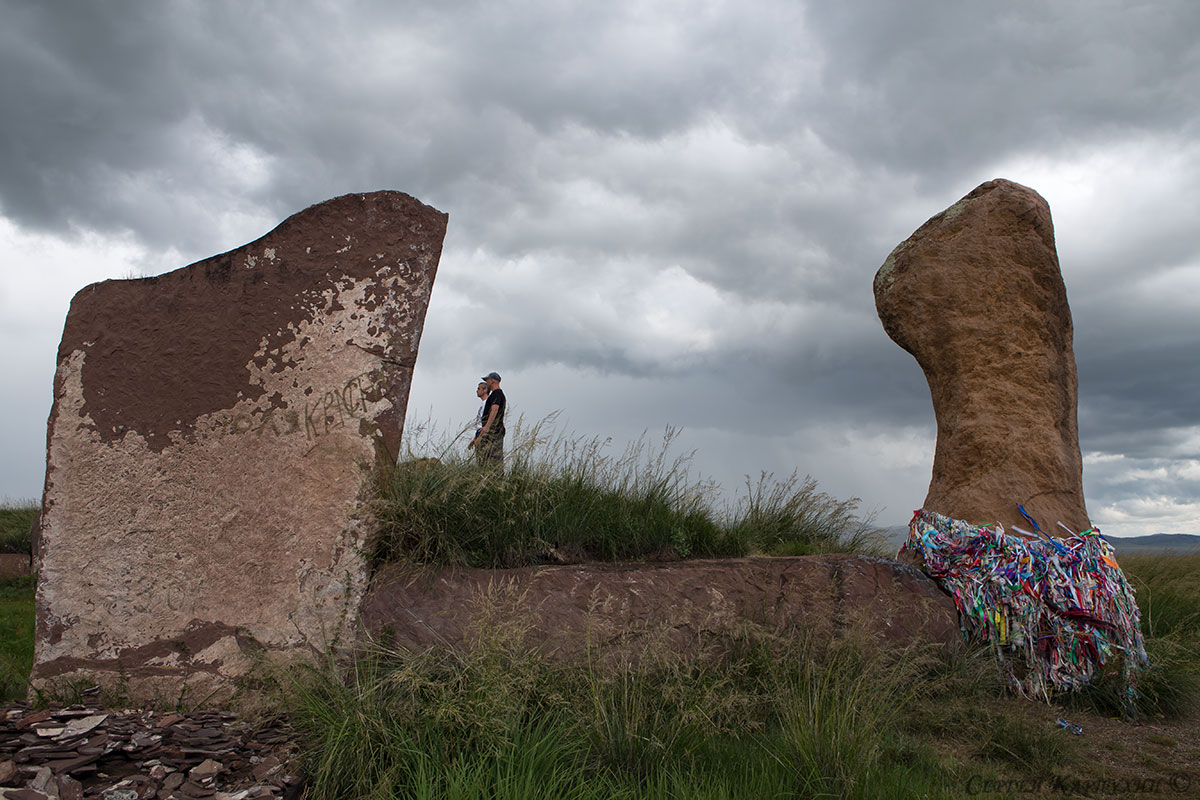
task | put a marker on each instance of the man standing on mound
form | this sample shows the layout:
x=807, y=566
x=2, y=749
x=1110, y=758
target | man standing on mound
x=481, y=392
x=489, y=444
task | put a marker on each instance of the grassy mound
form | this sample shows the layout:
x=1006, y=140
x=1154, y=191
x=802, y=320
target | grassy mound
x=570, y=499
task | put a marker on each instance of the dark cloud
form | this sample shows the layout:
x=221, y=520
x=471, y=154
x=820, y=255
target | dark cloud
x=682, y=200
x=930, y=89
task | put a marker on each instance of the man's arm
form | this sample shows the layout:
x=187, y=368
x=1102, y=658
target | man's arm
x=491, y=416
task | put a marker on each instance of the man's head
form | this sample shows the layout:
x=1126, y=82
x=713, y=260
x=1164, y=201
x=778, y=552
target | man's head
x=481, y=390
x=492, y=379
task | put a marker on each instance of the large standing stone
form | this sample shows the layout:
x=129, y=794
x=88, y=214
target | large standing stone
x=210, y=437
x=976, y=296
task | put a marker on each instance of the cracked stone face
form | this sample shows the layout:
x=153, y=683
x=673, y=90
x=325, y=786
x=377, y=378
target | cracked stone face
x=976, y=296
x=210, y=437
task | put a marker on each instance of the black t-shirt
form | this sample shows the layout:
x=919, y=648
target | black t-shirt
x=495, y=398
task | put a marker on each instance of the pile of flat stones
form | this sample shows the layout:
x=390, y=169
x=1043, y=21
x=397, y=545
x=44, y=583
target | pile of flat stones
x=84, y=751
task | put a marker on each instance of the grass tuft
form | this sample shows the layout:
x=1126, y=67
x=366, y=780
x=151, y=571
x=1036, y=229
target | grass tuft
x=791, y=517
x=1025, y=743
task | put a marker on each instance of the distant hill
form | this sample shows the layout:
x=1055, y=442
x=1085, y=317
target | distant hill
x=896, y=534
x=1177, y=543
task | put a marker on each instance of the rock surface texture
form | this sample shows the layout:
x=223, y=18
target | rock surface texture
x=621, y=609
x=207, y=447
x=976, y=296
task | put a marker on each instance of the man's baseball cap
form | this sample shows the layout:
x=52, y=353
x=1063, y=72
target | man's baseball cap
x=491, y=376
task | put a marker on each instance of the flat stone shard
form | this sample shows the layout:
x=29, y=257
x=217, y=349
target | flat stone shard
x=207, y=445
x=976, y=296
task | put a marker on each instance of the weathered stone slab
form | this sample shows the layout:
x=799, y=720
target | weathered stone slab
x=621, y=609
x=976, y=296
x=208, y=443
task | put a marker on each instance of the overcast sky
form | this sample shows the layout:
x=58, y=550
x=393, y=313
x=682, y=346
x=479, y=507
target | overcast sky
x=661, y=214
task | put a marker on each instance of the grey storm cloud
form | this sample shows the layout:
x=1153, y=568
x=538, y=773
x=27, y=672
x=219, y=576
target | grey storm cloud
x=687, y=200
x=931, y=87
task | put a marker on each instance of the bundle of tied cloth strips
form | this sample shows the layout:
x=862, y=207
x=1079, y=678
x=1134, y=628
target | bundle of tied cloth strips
x=1056, y=612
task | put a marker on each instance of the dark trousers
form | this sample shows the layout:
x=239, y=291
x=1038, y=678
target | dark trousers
x=489, y=450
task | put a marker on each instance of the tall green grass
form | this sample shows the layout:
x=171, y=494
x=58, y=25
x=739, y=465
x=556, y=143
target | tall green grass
x=570, y=499
x=16, y=635
x=777, y=719
x=16, y=601
x=1168, y=594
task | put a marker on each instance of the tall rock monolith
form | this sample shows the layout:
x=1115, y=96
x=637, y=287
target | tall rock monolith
x=211, y=438
x=976, y=296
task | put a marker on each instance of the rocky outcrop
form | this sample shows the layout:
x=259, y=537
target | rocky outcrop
x=622, y=609
x=976, y=296
x=207, y=446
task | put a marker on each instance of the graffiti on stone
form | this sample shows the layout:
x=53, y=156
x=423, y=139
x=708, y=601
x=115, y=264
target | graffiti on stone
x=276, y=421
x=323, y=410
x=329, y=410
